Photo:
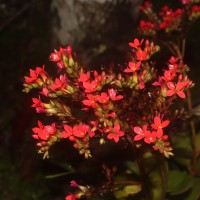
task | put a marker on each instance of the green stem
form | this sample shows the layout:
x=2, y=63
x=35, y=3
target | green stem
x=144, y=176
x=181, y=53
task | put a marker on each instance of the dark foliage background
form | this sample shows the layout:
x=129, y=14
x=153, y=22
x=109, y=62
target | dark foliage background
x=26, y=40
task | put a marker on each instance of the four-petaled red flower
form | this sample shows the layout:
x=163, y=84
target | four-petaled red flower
x=132, y=67
x=158, y=125
x=59, y=84
x=141, y=55
x=91, y=101
x=103, y=98
x=90, y=86
x=136, y=43
x=67, y=131
x=112, y=94
x=116, y=133
x=150, y=137
x=34, y=75
x=84, y=77
x=44, y=132
x=80, y=130
x=176, y=89
x=141, y=132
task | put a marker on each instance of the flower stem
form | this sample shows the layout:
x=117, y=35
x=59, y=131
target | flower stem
x=180, y=53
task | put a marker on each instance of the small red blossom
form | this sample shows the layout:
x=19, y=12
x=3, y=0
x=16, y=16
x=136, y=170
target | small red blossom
x=147, y=28
x=112, y=94
x=37, y=103
x=84, y=77
x=45, y=91
x=185, y=2
x=176, y=89
x=55, y=57
x=90, y=86
x=34, y=75
x=132, y=67
x=71, y=197
x=80, y=130
x=44, y=132
x=103, y=98
x=67, y=131
x=116, y=133
x=158, y=125
x=136, y=43
x=141, y=55
x=90, y=101
x=150, y=137
x=68, y=50
x=141, y=132
x=59, y=84
x=168, y=75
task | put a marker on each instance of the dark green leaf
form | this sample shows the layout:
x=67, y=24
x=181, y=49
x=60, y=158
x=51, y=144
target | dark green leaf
x=179, y=182
x=195, y=192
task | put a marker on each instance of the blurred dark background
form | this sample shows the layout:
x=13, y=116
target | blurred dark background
x=98, y=31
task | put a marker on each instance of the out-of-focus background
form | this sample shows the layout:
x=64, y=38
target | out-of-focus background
x=98, y=30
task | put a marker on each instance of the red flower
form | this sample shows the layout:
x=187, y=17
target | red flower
x=84, y=77
x=150, y=137
x=44, y=132
x=176, y=89
x=55, y=57
x=141, y=55
x=140, y=132
x=68, y=50
x=59, y=84
x=136, y=43
x=185, y=2
x=67, y=131
x=147, y=28
x=168, y=75
x=103, y=98
x=159, y=125
x=132, y=67
x=90, y=86
x=80, y=130
x=37, y=103
x=91, y=101
x=116, y=134
x=71, y=197
x=34, y=75
x=112, y=94
x=45, y=91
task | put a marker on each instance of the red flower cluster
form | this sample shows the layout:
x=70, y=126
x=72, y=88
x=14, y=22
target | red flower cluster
x=129, y=107
x=167, y=20
x=106, y=105
x=174, y=81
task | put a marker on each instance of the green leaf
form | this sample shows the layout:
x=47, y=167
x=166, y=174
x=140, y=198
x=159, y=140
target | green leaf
x=58, y=175
x=182, y=141
x=132, y=189
x=156, y=185
x=128, y=190
x=133, y=166
x=178, y=182
x=195, y=192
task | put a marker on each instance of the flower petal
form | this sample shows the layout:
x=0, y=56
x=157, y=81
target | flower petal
x=181, y=94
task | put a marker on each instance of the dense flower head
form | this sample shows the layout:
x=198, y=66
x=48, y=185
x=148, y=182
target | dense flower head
x=107, y=105
x=131, y=106
x=147, y=28
x=168, y=20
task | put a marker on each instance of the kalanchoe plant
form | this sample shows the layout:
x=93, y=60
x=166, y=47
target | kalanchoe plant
x=168, y=21
x=132, y=104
